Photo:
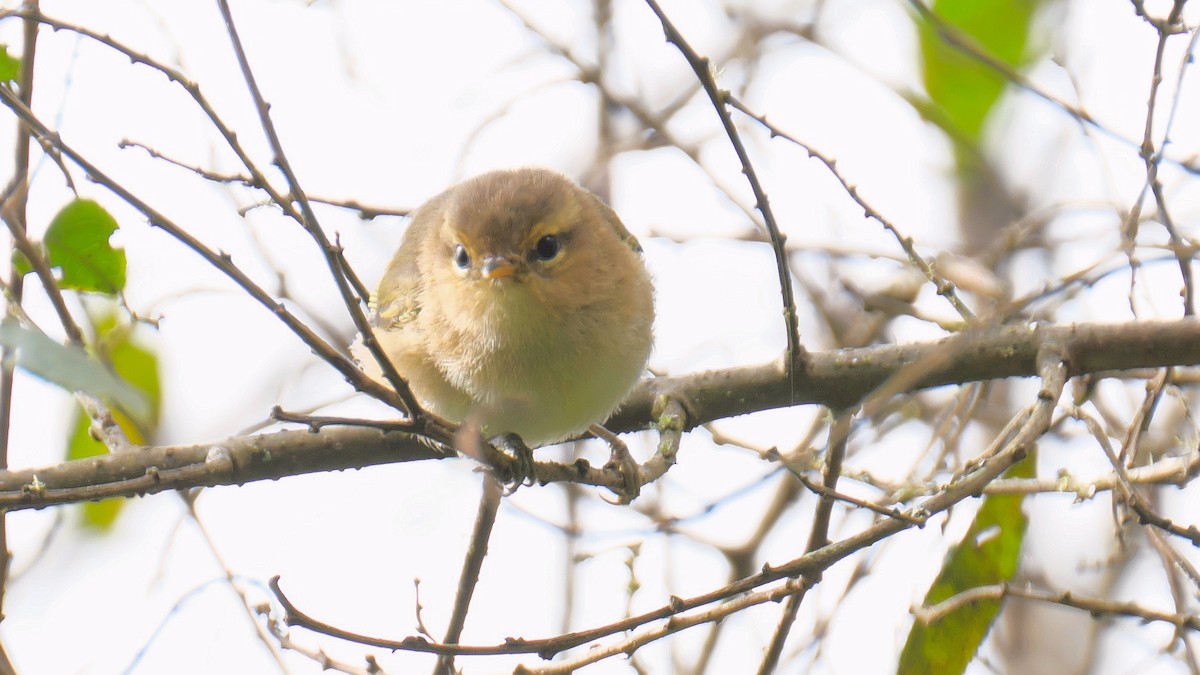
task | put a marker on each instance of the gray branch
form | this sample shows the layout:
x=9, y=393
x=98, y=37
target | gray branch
x=837, y=379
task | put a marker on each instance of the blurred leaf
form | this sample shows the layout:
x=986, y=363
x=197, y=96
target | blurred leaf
x=962, y=91
x=97, y=515
x=70, y=368
x=989, y=554
x=138, y=365
x=77, y=243
x=10, y=66
x=20, y=263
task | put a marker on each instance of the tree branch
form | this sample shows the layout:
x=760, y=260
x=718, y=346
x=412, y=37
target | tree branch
x=835, y=379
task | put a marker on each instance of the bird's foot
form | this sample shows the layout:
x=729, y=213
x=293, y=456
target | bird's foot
x=520, y=469
x=623, y=463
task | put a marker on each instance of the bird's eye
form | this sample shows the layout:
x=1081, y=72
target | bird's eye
x=546, y=248
x=461, y=258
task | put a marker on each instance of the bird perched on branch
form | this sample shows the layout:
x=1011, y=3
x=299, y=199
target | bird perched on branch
x=518, y=303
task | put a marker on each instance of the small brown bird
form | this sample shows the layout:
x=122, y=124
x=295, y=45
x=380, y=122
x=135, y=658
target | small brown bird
x=517, y=302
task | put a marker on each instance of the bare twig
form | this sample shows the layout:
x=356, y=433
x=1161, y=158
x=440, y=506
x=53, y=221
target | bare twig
x=945, y=287
x=15, y=211
x=354, y=294
x=720, y=101
x=489, y=504
x=1053, y=369
x=818, y=537
x=1065, y=599
x=223, y=262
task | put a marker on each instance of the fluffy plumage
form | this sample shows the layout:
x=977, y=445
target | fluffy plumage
x=519, y=302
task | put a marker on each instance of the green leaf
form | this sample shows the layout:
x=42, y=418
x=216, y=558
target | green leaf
x=20, y=263
x=989, y=554
x=77, y=243
x=102, y=514
x=136, y=364
x=962, y=91
x=10, y=66
x=70, y=368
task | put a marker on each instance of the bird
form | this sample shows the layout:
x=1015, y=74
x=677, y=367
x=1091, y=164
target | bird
x=516, y=303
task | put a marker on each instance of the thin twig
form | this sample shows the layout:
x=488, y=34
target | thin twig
x=1153, y=158
x=720, y=101
x=818, y=537
x=957, y=39
x=1053, y=369
x=224, y=263
x=944, y=287
x=485, y=519
x=19, y=189
x=354, y=294
x=398, y=398
x=262, y=632
x=1066, y=599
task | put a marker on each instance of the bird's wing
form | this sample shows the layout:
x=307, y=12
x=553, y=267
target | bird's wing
x=614, y=221
x=397, y=302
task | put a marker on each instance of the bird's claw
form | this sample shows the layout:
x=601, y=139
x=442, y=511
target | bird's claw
x=623, y=463
x=520, y=469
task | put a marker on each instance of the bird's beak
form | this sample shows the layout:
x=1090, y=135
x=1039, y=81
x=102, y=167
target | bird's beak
x=497, y=267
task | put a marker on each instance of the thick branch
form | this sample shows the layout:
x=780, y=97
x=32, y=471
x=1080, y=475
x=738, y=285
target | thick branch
x=839, y=379
x=149, y=470
x=836, y=379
